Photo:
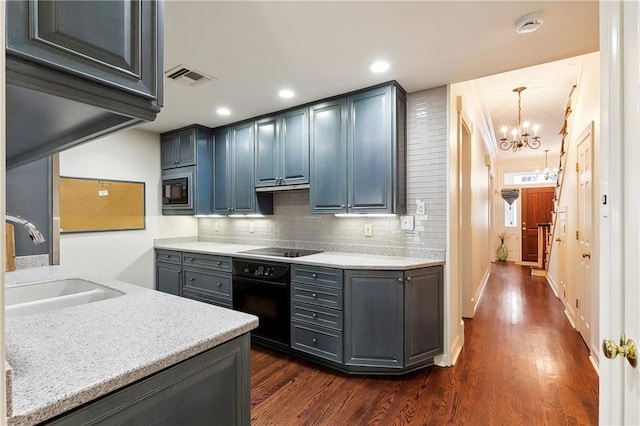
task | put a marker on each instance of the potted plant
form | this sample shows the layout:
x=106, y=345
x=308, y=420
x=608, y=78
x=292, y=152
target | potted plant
x=501, y=252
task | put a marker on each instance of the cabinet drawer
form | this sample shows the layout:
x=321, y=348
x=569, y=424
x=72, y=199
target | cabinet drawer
x=317, y=275
x=207, y=282
x=218, y=263
x=317, y=295
x=225, y=303
x=167, y=256
x=318, y=341
x=317, y=315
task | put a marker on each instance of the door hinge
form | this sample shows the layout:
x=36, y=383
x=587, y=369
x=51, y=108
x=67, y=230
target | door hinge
x=577, y=235
x=577, y=167
x=577, y=304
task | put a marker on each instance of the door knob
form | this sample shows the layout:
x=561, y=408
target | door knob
x=627, y=349
x=586, y=255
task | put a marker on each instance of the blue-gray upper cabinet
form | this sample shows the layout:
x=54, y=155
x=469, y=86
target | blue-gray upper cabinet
x=328, y=140
x=178, y=149
x=282, y=149
x=373, y=153
x=80, y=69
x=234, y=191
x=189, y=151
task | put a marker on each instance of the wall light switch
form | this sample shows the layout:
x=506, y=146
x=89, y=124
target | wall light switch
x=252, y=229
x=216, y=226
x=368, y=230
x=420, y=208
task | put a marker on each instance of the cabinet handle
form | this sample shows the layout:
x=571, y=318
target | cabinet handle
x=315, y=296
x=348, y=206
x=314, y=315
x=219, y=284
x=314, y=275
x=192, y=259
x=218, y=263
x=192, y=279
x=315, y=341
x=399, y=279
x=408, y=278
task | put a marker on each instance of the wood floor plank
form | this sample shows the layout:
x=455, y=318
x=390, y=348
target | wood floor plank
x=522, y=364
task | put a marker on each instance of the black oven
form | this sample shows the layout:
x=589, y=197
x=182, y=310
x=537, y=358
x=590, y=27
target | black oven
x=177, y=190
x=262, y=288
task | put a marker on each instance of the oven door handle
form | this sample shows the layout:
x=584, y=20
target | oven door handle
x=239, y=280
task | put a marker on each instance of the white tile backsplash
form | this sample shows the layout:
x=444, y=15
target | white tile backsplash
x=292, y=225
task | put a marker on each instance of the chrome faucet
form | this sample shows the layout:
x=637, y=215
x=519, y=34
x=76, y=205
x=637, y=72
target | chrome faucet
x=35, y=235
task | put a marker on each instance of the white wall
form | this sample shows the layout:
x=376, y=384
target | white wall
x=586, y=109
x=132, y=155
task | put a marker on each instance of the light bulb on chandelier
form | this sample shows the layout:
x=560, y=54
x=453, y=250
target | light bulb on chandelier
x=520, y=136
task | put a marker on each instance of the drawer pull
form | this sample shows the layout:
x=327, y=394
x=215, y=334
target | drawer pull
x=192, y=279
x=218, y=263
x=315, y=296
x=314, y=275
x=399, y=280
x=314, y=315
x=219, y=284
x=192, y=259
x=408, y=278
x=314, y=341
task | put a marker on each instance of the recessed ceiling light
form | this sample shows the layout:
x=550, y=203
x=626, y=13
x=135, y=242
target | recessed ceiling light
x=286, y=93
x=223, y=111
x=379, y=66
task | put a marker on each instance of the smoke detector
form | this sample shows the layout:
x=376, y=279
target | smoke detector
x=188, y=76
x=529, y=23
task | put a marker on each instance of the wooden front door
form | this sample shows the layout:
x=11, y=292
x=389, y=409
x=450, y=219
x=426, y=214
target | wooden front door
x=537, y=204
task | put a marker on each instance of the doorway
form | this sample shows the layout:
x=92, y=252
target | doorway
x=537, y=204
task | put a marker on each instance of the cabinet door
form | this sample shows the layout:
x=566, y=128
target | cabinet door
x=244, y=194
x=370, y=151
x=186, y=147
x=267, y=164
x=328, y=173
x=210, y=388
x=168, y=153
x=373, y=318
x=113, y=43
x=423, y=304
x=169, y=278
x=221, y=172
x=294, y=143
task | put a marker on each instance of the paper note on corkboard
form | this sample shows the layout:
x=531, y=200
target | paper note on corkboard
x=89, y=205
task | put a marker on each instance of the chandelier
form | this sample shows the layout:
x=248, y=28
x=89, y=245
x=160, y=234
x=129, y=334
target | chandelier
x=520, y=136
x=549, y=174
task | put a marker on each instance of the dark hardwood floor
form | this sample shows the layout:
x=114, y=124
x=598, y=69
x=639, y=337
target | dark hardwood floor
x=522, y=364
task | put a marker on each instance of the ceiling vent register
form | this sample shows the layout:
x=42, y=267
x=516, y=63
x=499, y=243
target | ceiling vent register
x=188, y=76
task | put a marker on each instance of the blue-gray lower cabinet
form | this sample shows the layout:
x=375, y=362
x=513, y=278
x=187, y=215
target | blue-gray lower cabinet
x=393, y=319
x=212, y=388
x=169, y=272
x=316, y=311
x=373, y=320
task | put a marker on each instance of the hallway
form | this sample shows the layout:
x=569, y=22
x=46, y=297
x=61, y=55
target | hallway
x=522, y=363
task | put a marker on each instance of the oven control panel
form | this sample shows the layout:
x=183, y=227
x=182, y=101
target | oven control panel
x=262, y=270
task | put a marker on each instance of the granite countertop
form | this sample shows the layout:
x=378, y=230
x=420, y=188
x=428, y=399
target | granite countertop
x=329, y=259
x=63, y=358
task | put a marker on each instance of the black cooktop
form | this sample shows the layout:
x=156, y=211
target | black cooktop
x=281, y=252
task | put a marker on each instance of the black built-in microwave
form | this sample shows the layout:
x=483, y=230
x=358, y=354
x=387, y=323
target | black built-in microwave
x=177, y=191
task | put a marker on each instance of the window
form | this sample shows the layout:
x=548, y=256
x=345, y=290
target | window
x=511, y=214
x=530, y=178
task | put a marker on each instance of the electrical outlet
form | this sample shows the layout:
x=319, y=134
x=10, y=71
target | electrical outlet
x=420, y=208
x=368, y=230
x=252, y=229
x=216, y=226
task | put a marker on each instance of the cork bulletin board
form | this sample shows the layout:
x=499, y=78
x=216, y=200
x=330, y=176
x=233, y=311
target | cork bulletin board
x=90, y=205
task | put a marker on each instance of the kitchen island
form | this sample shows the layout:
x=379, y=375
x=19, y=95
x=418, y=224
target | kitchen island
x=66, y=358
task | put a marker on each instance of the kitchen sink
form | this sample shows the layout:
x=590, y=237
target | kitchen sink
x=47, y=296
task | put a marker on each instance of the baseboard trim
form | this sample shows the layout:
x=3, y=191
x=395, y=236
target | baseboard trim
x=553, y=285
x=570, y=316
x=483, y=284
x=595, y=365
x=455, y=350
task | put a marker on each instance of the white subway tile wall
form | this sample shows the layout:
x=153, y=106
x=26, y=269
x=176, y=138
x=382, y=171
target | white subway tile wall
x=293, y=226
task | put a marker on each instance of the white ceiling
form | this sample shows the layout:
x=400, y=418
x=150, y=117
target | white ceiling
x=321, y=49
